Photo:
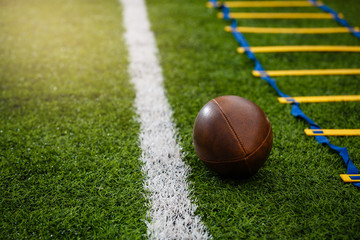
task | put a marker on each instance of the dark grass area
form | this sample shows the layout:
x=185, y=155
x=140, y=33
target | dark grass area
x=298, y=193
x=68, y=140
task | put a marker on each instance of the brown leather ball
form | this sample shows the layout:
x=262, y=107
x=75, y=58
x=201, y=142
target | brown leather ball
x=232, y=136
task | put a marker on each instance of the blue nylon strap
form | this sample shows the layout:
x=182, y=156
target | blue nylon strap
x=337, y=18
x=296, y=110
x=226, y=11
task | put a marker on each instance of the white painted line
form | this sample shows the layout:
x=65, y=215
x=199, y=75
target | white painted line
x=171, y=211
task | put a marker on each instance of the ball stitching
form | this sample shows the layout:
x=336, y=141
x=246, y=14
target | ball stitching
x=228, y=122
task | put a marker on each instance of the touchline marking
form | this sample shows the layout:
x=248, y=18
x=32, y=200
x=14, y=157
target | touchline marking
x=171, y=212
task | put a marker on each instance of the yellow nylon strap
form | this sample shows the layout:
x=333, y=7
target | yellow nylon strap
x=303, y=48
x=239, y=4
x=332, y=132
x=304, y=72
x=279, y=15
x=292, y=30
x=320, y=99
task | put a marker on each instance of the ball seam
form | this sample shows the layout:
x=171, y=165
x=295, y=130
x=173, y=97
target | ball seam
x=228, y=122
x=244, y=158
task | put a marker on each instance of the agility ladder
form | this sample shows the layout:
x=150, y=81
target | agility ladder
x=315, y=130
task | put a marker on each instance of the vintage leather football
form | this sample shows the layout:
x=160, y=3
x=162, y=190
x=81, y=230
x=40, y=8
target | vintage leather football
x=232, y=136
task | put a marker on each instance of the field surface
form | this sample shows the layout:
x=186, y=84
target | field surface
x=69, y=147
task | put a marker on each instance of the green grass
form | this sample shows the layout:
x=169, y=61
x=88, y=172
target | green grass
x=298, y=193
x=68, y=139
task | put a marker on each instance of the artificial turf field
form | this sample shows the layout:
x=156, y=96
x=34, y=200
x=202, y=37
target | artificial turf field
x=69, y=134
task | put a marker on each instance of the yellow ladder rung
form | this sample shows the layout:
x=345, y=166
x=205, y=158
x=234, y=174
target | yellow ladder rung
x=350, y=177
x=303, y=48
x=332, y=132
x=320, y=99
x=305, y=72
x=239, y=4
x=260, y=15
x=292, y=30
